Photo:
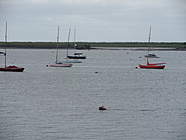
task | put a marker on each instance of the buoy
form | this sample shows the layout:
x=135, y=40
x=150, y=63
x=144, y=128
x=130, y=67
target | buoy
x=102, y=108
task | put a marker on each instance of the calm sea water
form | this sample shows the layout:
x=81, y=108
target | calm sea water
x=44, y=103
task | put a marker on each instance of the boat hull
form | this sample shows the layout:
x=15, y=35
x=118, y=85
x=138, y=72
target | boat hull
x=12, y=69
x=76, y=57
x=59, y=65
x=152, y=66
x=151, y=56
x=73, y=61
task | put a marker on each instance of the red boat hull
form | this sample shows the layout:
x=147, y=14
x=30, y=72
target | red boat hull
x=12, y=69
x=152, y=66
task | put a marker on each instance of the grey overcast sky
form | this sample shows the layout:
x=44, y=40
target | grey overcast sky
x=94, y=20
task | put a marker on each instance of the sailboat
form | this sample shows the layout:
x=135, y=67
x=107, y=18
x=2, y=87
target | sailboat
x=67, y=59
x=76, y=55
x=150, y=55
x=57, y=62
x=152, y=65
x=9, y=68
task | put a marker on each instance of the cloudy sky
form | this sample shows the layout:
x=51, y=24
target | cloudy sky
x=94, y=20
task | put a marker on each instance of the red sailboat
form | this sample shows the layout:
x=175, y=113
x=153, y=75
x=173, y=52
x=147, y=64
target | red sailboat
x=152, y=65
x=9, y=68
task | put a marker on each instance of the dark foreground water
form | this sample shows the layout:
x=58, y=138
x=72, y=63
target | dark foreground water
x=45, y=103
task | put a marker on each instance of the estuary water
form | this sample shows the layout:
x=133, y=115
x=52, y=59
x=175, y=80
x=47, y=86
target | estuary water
x=45, y=103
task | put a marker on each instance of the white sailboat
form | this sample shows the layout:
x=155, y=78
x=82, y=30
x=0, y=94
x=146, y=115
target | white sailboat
x=57, y=62
x=67, y=59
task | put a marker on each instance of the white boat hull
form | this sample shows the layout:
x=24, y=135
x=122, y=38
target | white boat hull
x=72, y=61
x=59, y=65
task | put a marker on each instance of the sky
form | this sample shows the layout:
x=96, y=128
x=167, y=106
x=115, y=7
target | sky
x=94, y=20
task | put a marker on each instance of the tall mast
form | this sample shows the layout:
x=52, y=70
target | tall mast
x=6, y=36
x=149, y=39
x=149, y=34
x=75, y=37
x=57, y=47
x=68, y=40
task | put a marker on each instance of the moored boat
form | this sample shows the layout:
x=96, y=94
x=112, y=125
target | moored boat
x=57, y=62
x=151, y=55
x=76, y=57
x=60, y=65
x=67, y=60
x=12, y=68
x=151, y=66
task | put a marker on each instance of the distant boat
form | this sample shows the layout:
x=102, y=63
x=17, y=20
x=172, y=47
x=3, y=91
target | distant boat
x=76, y=55
x=150, y=55
x=9, y=68
x=60, y=65
x=57, y=62
x=152, y=65
x=67, y=60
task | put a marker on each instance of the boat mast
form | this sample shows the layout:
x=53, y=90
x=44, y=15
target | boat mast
x=68, y=40
x=149, y=34
x=75, y=45
x=6, y=36
x=57, y=47
x=149, y=39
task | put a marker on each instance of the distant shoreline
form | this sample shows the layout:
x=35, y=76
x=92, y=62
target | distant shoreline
x=137, y=46
x=141, y=49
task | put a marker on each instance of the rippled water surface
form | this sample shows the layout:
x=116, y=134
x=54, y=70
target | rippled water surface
x=44, y=103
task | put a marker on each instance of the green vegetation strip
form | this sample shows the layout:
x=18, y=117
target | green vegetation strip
x=93, y=45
